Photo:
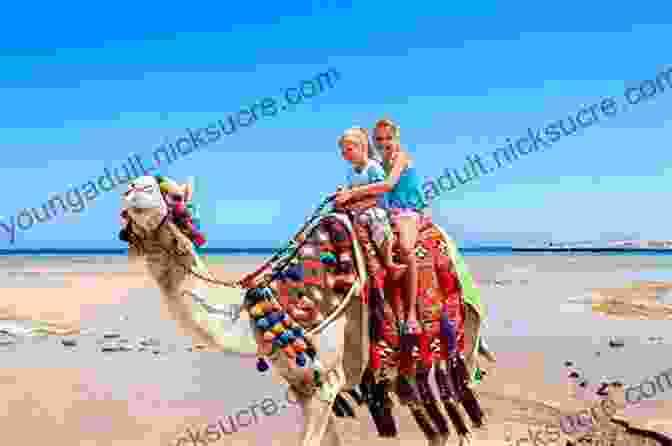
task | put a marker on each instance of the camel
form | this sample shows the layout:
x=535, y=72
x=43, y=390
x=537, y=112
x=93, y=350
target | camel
x=320, y=318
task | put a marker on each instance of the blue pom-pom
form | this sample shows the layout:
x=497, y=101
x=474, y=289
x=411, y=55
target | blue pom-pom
x=328, y=258
x=263, y=323
x=298, y=332
x=300, y=359
x=281, y=340
x=262, y=365
x=295, y=272
x=274, y=318
x=447, y=331
x=285, y=337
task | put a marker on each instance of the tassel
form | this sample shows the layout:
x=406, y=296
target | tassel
x=380, y=412
x=406, y=362
x=466, y=394
x=424, y=424
x=376, y=314
x=429, y=401
x=447, y=395
x=406, y=390
x=262, y=365
x=456, y=418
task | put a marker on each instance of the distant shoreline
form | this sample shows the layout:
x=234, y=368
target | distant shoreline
x=491, y=250
x=598, y=250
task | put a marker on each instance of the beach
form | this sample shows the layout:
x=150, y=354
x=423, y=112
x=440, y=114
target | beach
x=542, y=310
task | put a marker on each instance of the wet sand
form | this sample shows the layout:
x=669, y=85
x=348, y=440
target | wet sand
x=540, y=314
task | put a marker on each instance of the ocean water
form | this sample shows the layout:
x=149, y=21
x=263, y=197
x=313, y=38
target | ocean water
x=214, y=253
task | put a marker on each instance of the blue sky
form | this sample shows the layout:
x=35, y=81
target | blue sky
x=84, y=85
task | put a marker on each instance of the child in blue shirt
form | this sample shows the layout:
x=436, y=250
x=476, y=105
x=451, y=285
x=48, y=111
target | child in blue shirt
x=365, y=170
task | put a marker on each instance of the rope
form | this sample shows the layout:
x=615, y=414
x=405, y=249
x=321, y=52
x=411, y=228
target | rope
x=291, y=247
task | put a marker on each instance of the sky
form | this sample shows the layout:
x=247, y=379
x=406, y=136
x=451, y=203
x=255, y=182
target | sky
x=84, y=85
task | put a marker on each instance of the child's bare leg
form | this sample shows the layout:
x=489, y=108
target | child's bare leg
x=395, y=269
x=383, y=238
x=408, y=234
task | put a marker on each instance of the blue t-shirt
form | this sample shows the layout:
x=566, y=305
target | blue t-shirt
x=371, y=173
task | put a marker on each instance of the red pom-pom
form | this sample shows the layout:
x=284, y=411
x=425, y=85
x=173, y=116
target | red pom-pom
x=199, y=240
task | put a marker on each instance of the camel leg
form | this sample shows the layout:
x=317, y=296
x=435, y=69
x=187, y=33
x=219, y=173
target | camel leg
x=331, y=437
x=317, y=409
x=421, y=417
x=317, y=413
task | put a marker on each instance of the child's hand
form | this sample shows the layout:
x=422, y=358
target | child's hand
x=343, y=197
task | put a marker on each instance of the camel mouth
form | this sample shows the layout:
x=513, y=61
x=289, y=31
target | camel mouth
x=143, y=202
x=142, y=193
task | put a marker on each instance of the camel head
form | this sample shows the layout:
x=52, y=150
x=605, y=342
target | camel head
x=143, y=203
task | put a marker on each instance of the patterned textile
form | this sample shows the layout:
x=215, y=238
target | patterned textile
x=325, y=266
x=439, y=289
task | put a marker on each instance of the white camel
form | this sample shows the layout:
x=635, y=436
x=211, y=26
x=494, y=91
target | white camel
x=337, y=332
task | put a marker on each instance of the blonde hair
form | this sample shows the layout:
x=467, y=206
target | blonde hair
x=361, y=135
x=386, y=123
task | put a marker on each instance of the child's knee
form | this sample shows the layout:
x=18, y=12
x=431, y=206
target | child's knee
x=406, y=250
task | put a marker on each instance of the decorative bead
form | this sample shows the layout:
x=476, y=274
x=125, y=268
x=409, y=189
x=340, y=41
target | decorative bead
x=280, y=341
x=298, y=331
x=262, y=365
x=277, y=328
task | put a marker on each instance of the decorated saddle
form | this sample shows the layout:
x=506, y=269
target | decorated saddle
x=325, y=268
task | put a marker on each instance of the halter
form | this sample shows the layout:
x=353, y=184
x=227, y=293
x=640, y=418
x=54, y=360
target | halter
x=175, y=253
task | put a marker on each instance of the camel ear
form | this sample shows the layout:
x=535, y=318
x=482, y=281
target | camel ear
x=187, y=189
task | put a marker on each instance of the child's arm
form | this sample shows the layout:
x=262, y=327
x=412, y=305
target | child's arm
x=386, y=185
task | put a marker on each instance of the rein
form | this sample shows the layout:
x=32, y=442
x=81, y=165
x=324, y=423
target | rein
x=291, y=248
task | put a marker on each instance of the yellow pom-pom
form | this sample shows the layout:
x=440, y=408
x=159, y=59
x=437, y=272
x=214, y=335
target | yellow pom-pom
x=278, y=328
x=257, y=311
